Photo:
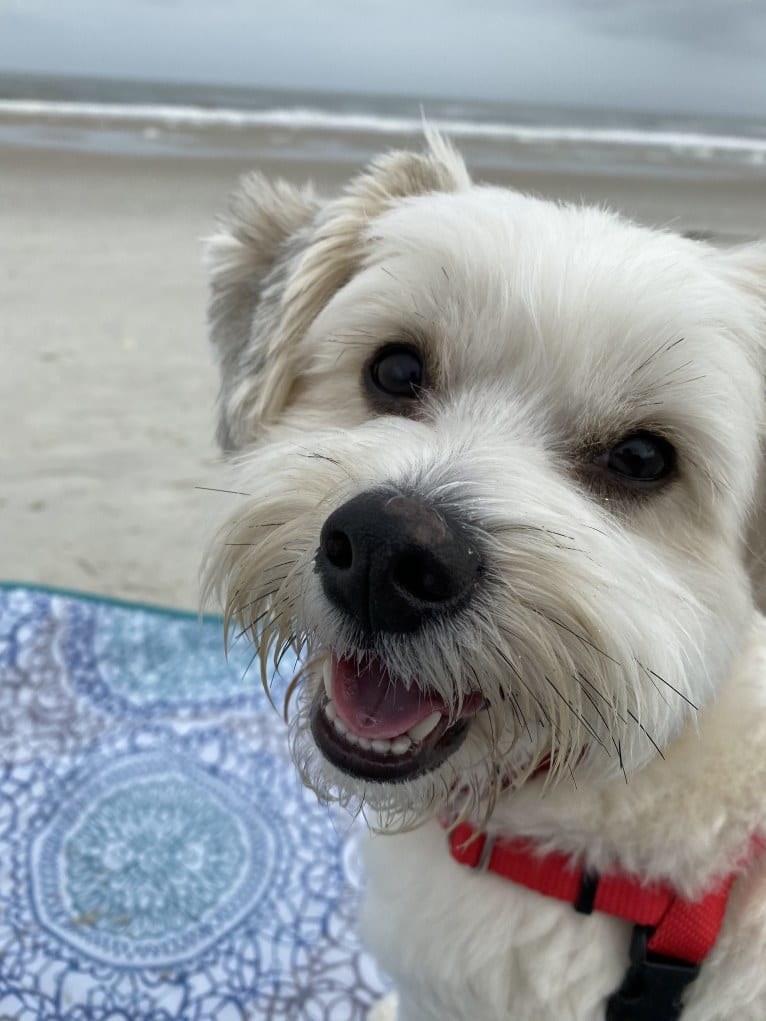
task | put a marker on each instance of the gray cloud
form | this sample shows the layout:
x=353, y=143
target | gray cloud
x=664, y=55
x=697, y=25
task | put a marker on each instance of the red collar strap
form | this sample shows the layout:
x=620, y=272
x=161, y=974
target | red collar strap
x=672, y=936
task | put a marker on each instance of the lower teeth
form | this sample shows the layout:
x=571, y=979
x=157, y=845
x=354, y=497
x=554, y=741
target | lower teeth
x=381, y=745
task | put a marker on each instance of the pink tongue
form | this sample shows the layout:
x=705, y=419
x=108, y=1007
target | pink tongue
x=372, y=703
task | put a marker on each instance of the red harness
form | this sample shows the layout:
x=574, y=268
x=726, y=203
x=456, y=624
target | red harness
x=671, y=937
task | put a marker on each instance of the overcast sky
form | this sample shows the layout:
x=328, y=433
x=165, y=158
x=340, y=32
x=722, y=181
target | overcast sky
x=698, y=56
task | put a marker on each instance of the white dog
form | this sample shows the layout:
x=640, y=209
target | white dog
x=505, y=458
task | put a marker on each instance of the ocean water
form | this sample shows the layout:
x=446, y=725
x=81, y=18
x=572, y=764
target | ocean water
x=150, y=118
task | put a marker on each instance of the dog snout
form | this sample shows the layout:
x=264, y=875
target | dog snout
x=393, y=561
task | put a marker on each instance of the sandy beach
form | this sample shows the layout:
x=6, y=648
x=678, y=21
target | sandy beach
x=107, y=389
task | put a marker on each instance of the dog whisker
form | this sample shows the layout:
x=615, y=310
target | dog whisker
x=214, y=489
x=645, y=732
x=316, y=456
x=520, y=715
x=577, y=715
x=618, y=748
x=582, y=682
x=662, y=349
x=275, y=610
x=581, y=638
x=662, y=680
x=528, y=689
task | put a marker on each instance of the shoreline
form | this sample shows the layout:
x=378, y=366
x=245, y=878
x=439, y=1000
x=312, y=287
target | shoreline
x=305, y=119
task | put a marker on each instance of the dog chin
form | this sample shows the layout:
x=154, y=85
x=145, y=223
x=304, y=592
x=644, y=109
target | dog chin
x=407, y=755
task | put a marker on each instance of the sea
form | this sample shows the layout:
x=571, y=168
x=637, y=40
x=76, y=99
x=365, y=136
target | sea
x=143, y=118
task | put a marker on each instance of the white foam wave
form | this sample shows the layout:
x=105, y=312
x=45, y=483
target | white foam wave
x=695, y=143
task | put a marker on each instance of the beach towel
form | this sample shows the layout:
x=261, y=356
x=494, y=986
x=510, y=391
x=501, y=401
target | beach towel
x=159, y=858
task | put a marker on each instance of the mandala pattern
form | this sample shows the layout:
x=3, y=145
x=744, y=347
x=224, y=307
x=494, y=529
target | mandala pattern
x=150, y=861
x=124, y=662
x=163, y=864
x=40, y=712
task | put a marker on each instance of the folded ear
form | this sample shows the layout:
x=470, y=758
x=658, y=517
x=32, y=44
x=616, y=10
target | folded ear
x=746, y=266
x=260, y=229
x=277, y=259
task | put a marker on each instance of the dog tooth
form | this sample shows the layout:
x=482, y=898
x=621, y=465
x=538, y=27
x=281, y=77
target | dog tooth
x=351, y=737
x=329, y=710
x=400, y=745
x=424, y=728
x=327, y=676
x=381, y=745
x=340, y=726
x=365, y=743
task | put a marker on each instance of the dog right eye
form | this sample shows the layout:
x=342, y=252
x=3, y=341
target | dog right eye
x=396, y=370
x=641, y=459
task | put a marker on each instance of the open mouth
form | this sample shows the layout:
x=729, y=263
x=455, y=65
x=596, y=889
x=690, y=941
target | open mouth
x=373, y=726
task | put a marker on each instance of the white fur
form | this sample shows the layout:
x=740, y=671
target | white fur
x=485, y=948
x=550, y=332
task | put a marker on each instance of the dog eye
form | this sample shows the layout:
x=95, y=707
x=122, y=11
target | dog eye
x=641, y=457
x=397, y=371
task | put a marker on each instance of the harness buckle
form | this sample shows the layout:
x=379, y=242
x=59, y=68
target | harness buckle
x=653, y=986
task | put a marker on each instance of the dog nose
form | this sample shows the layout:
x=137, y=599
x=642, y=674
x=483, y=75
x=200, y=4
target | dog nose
x=392, y=562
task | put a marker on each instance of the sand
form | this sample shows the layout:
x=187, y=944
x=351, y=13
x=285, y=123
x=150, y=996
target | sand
x=107, y=388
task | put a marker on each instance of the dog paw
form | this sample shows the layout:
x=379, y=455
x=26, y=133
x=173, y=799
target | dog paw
x=384, y=1010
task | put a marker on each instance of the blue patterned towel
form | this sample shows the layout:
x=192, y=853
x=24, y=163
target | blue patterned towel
x=158, y=858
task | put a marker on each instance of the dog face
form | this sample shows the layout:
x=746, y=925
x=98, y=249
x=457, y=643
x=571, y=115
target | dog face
x=501, y=456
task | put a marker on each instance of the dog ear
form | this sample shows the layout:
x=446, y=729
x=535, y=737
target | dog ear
x=263, y=222
x=747, y=267
x=747, y=264
x=278, y=258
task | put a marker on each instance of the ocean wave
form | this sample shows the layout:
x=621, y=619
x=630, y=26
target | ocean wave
x=304, y=118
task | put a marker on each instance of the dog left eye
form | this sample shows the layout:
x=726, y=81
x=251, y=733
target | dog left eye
x=641, y=457
x=396, y=371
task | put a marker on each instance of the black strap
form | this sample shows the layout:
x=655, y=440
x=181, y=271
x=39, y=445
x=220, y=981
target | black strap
x=653, y=987
x=586, y=898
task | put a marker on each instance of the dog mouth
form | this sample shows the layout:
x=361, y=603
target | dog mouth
x=373, y=726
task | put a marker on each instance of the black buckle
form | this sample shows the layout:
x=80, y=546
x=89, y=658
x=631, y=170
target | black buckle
x=653, y=986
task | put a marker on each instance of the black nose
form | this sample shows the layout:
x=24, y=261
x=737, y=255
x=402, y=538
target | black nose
x=392, y=562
